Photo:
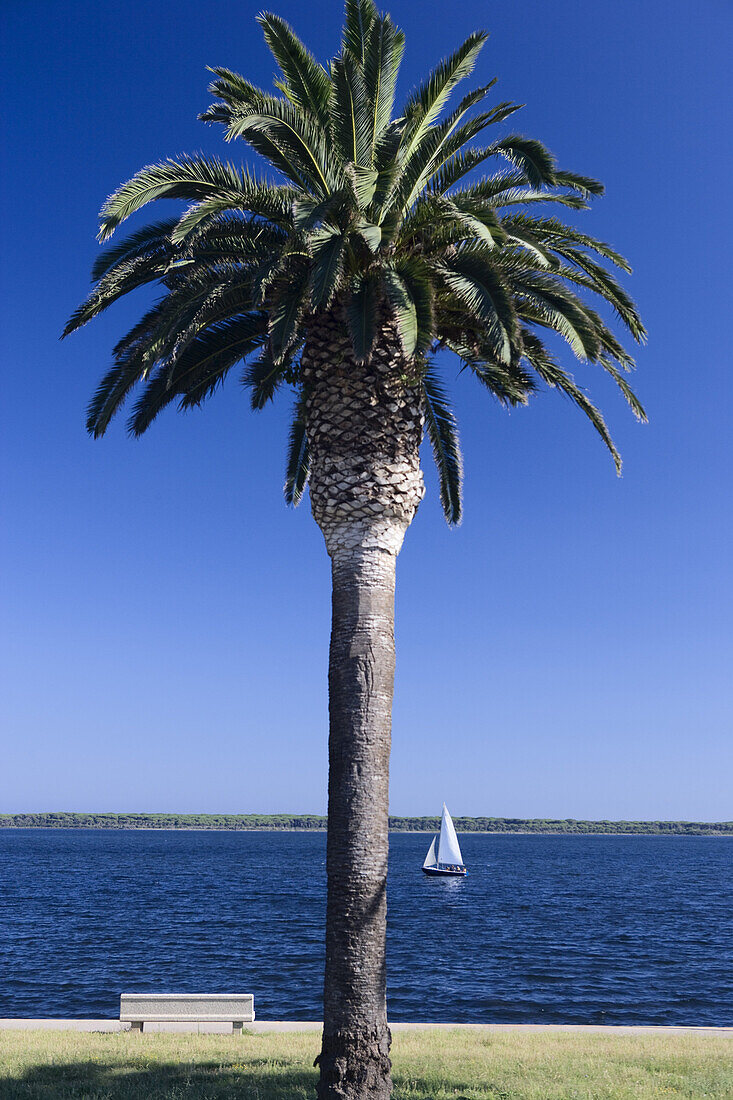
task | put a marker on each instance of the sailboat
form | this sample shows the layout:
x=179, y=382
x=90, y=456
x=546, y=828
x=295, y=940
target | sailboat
x=448, y=860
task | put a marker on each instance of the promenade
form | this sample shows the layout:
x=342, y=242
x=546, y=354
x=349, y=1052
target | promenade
x=264, y=1026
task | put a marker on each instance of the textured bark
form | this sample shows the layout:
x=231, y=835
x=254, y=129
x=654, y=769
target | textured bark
x=364, y=429
x=355, y=1056
x=364, y=424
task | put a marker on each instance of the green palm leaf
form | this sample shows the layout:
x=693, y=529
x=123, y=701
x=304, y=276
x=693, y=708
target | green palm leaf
x=327, y=248
x=442, y=431
x=529, y=157
x=603, y=283
x=155, y=237
x=417, y=279
x=198, y=373
x=350, y=113
x=361, y=314
x=402, y=308
x=307, y=84
x=286, y=308
x=381, y=66
x=236, y=94
x=555, y=234
x=262, y=378
x=548, y=303
x=632, y=400
x=586, y=185
x=290, y=139
x=189, y=178
x=298, y=457
x=359, y=17
x=475, y=283
x=125, y=276
x=551, y=373
x=425, y=104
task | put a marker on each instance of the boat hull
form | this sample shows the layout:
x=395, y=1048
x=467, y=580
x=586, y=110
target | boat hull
x=444, y=872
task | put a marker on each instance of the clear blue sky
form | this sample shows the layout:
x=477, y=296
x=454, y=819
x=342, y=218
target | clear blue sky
x=566, y=652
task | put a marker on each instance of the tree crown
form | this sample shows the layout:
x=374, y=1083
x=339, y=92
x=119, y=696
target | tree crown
x=368, y=211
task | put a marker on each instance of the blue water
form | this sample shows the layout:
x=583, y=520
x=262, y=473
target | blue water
x=615, y=930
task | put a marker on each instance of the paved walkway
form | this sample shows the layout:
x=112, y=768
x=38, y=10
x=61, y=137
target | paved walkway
x=315, y=1025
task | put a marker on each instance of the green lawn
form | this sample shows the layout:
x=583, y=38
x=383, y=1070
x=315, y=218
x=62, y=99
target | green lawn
x=36, y=1065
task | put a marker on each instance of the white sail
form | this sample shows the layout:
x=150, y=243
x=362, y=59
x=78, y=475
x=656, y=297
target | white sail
x=430, y=859
x=449, y=850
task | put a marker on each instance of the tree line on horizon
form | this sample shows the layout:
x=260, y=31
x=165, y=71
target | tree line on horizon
x=314, y=822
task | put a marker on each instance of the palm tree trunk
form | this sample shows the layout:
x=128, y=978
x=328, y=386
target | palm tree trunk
x=364, y=425
x=355, y=1056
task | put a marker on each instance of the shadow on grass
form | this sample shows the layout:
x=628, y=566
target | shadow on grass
x=203, y=1081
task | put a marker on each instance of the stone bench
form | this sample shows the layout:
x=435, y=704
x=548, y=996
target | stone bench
x=140, y=1009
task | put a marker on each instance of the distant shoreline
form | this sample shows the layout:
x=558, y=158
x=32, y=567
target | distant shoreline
x=322, y=829
x=317, y=823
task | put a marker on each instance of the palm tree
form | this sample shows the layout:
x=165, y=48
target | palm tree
x=376, y=247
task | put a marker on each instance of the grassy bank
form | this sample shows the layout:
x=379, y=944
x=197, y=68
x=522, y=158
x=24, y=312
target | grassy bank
x=461, y=1065
x=312, y=822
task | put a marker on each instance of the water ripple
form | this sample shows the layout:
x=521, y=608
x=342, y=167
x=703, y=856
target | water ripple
x=615, y=930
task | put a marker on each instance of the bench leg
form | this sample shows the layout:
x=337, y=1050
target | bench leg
x=137, y=1025
x=237, y=1027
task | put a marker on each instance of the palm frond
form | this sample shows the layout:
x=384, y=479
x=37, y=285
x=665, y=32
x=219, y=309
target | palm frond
x=260, y=200
x=603, y=283
x=586, y=185
x=233, y=236
x=402, y=308
x=362, y=314
x=108, y=397
x=426, y=103
x=458, y=163
x=350, y=112
x=291, y=140
x=307, y=84
x=124, y=277
x=285, y=313
x=520, y=238
x=198, y=311
x=418, y=280
x=475, y=282
x=197, y=374
x=369, y=233
x=297, y=469
x=327, y=247
x=631, y=399
x=423, y=161
x=510, y=385
x=363, y=183
x=457, y=137
x=381, y=66
x=360, y=15
x=155, y=237
x=525, y=196
x=262, y=378
x=236, y=94
x=548, y=303
x=555, y=234
x=442, y=431
x=550, y=372
x=191, y=178
x=132, y=363
x=529, y=157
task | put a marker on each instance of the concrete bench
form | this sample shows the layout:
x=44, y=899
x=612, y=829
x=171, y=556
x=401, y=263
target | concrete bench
x=193, y=1009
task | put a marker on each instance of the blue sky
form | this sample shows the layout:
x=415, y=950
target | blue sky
x=565, y=653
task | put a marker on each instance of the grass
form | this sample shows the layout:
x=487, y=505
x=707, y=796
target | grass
x=432, y=1065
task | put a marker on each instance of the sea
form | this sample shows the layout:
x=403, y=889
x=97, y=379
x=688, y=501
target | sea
x=544, y=929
